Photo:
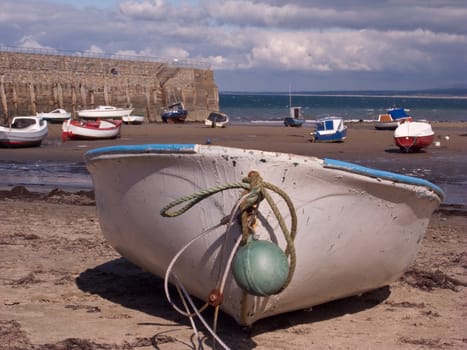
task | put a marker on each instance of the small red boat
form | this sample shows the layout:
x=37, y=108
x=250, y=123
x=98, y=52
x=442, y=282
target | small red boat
x=90, y=129
x=413, y=136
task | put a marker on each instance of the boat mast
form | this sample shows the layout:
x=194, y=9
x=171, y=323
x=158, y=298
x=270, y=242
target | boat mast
x=290, y=97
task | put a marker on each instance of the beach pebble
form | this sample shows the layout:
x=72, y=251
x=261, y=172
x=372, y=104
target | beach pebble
x=446, y=138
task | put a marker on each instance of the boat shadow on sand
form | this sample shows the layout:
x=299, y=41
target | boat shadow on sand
x=123, y=283
x=398, y=150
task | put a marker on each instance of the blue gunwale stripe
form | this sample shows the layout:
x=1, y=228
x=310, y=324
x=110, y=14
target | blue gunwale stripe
x=359, y=169
x=141, y=149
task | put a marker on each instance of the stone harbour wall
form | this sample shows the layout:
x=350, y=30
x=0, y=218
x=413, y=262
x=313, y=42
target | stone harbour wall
x=32, y=83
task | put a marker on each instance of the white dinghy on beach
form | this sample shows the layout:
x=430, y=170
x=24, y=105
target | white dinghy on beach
x=259, y=233
x=24, y=131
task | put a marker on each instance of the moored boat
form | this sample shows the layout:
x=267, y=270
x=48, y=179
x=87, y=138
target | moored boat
x=217, y=120
x=104, y=112
x=392, y=119
x=133, y=119
x=295, y=119
x=316, y=225
x=90, y=129
x=413, y=136
x=175, y=113
x=58, y=115
x=329, y=129
x=24, y=131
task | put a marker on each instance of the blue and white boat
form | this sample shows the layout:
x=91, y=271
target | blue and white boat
x=58, y=115
x=190, y=214
x=392, y=119
x=329, y=129
x=295, y=119
x=175, y=113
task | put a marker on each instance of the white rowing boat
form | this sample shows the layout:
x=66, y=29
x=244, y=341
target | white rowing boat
x=350, y=229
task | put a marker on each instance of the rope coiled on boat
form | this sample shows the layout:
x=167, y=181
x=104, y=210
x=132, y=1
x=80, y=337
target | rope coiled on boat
x=257, y=191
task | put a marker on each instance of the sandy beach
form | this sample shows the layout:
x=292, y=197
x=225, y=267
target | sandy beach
x=363, y=142
x=62, y=286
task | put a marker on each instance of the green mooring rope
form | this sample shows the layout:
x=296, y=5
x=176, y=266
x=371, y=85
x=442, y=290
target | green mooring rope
x=257, y=192
x=197, y=197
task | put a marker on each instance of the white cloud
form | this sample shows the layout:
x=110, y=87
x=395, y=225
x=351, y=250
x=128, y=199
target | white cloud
x=175, y=52
x=445, y=16
x=147, y=9
x=30, y=42
x=265, y=14
x=95, y=50
x=366, y=50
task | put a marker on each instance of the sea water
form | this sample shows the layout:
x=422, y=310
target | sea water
x=264, y=108
x=44, y=176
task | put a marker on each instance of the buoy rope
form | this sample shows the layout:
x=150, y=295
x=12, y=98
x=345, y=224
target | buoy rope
x=168, y=272
x=256, y=191
x=198, y=313
x=220, y=285
x=187, y=309
x=222, y=276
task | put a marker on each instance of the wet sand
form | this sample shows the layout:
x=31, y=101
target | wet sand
x=63, y=287
x=363, y=142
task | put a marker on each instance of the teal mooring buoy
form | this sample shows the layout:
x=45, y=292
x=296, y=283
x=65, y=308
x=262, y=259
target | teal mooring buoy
x=261, y=268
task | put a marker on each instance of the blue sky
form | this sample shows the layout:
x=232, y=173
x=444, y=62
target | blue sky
x=258, y=45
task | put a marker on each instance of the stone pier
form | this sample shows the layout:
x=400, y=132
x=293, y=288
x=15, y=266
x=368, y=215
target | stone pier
x=36, y=82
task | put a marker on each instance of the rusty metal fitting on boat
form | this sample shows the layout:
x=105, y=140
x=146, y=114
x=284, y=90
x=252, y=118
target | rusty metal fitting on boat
x=215, y=297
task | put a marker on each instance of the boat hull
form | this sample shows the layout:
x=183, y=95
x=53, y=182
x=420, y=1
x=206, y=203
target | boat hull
x=292, y=122
x=212, y=124
x=338, y=136
x=89, y=130
x=104, y=113
x=413, y=143
x=133, y=119
x=20, y=141
x=174, y=117
x=55, y=116
x=386, y=125
x=339, y=251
